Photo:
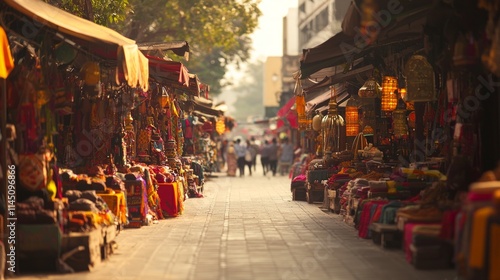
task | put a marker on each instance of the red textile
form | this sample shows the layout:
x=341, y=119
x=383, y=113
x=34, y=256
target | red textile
x=365, y=219
x=287, y=113
x=168, y=198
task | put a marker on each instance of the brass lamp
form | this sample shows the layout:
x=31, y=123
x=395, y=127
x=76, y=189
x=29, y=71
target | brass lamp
x=420, y=80
x=316, y=121
x=389, y=98
x=352, y=117
x=370, y=89
x=330, y=126
x=399, y=124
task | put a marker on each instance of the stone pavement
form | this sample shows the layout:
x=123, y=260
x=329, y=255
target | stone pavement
x=249, y=228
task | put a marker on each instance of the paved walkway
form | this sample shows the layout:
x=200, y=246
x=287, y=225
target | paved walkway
x=249, y=228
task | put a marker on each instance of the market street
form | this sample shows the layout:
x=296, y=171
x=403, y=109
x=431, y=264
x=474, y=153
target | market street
x=249, y=228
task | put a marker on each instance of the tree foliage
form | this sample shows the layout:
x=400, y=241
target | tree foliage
x=103, y=12
x=217, y=30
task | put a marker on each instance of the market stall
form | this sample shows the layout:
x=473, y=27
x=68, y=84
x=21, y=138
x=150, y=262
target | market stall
x=68, y=94
x=397, y=148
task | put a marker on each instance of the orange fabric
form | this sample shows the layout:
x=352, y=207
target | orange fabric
x=6, y=60
x=477, y=245
x=494, y=251
x=117, y=205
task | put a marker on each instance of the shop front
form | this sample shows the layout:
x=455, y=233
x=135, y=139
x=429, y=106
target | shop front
x=405, y=159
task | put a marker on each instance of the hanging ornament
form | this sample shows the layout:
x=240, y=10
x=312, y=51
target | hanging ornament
x=91, y=73
x=420, y=80
x=316, y=122
x=352, y=117
x=370, y=89
x=300, y=105
x=220, y=125
x=330, y=126
x=399, y=126
x=389, y=98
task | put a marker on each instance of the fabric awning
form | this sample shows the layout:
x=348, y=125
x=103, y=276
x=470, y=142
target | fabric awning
x=168, y=71
x=97, y=39
x=347, y=45
x=287, y=113
x=180, y=48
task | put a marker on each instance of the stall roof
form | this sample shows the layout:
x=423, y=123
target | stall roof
x=180, y=48
x=286, y=112
x=170, y=71
x=346, y=46
x=102, y=41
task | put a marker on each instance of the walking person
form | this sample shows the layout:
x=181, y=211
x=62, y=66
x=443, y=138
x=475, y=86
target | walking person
x=250, y=155
x=285, y=156
x=231, y=160
x=273, y=156
x=255, y=152
x=264, y=156
x=240, y=154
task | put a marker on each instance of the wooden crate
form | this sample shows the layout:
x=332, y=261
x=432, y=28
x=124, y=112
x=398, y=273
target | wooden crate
x=87, y=258
x=39, y=247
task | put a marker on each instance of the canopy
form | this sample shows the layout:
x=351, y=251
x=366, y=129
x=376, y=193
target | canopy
x=97, y=39
x=169, y=71
x=347, y=45
x=180, y=48
x=287, y=113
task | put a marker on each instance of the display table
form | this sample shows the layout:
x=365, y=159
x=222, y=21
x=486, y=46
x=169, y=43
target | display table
x=169, y=198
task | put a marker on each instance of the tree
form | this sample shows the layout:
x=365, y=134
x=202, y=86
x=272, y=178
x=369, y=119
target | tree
x=103, y=12
x=217, y=31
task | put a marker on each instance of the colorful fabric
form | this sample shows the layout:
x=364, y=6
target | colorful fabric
x=478, y=244
x=6, y=61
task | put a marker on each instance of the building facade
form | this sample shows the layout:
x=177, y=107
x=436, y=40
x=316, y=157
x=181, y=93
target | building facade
x=318, y=20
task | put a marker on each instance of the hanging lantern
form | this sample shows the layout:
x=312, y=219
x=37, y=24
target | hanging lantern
x=352, y=117
x=411, y=119
x=316, y=121
x=410, y=106
x=420, y=80
x=300, y=104
x=330, y=126
x=399, y=126
x=163, y=98
x=370, y=89
x=389, y=98
x=91, y=73
x=220, y=125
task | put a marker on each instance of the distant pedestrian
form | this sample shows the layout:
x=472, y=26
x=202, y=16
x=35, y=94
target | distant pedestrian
x=240, y=154
x=231, y=159
x=264, y=156
x=250, y=154
x=255, y=152
x=285, y=156
x=273, y=156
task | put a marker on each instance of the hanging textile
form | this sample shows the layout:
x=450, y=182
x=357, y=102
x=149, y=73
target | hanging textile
x=6, y=60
